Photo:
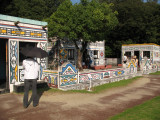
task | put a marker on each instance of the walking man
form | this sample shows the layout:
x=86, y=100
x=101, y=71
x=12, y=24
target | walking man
x=31, y=69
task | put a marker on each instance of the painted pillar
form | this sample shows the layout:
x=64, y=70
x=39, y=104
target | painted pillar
x=42, y=61
x=13, y=62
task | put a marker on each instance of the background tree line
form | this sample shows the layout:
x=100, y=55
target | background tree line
x=31, y=9
x=136, y=21
x=139, y=22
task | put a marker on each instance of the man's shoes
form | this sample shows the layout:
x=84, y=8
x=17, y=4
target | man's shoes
x=25, y=106
x=35, y=105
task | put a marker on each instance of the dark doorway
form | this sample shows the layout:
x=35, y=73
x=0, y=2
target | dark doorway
x=4, y=82
x=136, y=53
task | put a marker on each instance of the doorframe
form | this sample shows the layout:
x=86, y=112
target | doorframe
x=7, y=65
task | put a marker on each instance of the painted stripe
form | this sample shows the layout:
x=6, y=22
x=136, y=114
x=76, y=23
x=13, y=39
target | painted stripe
x=23, y=38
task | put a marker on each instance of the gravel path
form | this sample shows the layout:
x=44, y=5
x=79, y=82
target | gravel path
x=78, y=106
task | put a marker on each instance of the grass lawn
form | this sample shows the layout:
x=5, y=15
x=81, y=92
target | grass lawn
x=149, y=110
x=156, y=73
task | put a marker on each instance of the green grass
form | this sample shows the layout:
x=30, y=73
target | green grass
x=156, y=73
x=149, y=110
x=121, y=83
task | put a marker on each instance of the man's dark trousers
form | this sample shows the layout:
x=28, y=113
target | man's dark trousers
x=34, y=97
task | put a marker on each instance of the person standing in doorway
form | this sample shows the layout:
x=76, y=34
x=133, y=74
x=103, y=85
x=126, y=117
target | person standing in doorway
x=124, y=60
x=31, y=70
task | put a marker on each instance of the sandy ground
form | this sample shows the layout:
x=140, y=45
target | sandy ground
x=79, y=106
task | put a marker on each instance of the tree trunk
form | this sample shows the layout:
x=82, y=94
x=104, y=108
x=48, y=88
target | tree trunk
x=79, y=61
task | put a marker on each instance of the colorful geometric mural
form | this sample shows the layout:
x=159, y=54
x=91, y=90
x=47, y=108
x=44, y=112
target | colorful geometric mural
x=69, y=75
x=132, y=67
x=63, y=54
x=51, y=78
x=21, y=32
x=13, y=61
x=43, y=61
x=101, y=75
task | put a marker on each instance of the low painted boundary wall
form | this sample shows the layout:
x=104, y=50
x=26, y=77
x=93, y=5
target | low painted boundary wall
x=68, y=75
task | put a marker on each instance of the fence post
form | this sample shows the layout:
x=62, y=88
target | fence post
x=78, y=77
x=90, y=78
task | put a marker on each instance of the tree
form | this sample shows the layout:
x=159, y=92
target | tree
x=88, y=21
x=138, y=23
x=32, y=9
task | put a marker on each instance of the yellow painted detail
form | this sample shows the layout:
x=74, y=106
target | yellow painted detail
x=52, y=79
x=39, y=34
x=3, y=31
x=16, y=73
x=65, y=80
x=32, y=33
x=119, y=72
x=22, y=33
x=131, y=63
x=13, y=32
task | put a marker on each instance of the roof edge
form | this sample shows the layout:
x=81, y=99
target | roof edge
x=140, y=44
x=22, y=20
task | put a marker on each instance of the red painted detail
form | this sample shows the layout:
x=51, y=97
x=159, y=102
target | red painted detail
x=99, y=67
x=119, y=65
x=108, y=66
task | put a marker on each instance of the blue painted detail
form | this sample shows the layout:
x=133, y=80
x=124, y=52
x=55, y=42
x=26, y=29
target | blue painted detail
x=68, y=76
x=16, y=51
x=11, y=74
x=140, y=58
x=122, y=72
x=116, y=73
x=66, y=67
x=101, y=75
x=49, y=78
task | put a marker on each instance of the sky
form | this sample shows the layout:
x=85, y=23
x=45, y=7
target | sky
x=75, y=1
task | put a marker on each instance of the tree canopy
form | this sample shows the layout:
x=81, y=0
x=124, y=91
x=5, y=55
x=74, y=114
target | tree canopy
x=88, y=21
x=32, y=9
x=138, y=23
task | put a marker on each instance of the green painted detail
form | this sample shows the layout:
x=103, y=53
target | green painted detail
x=22, y=20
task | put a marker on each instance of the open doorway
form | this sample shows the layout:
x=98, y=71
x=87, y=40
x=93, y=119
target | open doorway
x=4, y=81
x=136, y=53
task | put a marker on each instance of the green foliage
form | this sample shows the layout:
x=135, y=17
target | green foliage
x=149, y=110
x=32, y=9
x=139, y=22
x=89, y=21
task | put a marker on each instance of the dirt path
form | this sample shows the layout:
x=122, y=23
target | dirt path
x=78, y=106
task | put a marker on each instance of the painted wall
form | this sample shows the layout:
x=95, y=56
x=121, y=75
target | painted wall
x=153, y=48
x=26, y=31
x=69, y=75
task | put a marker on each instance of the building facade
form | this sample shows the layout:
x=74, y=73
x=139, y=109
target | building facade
x=148, y=51
x=16, y=33
x=65, y=51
